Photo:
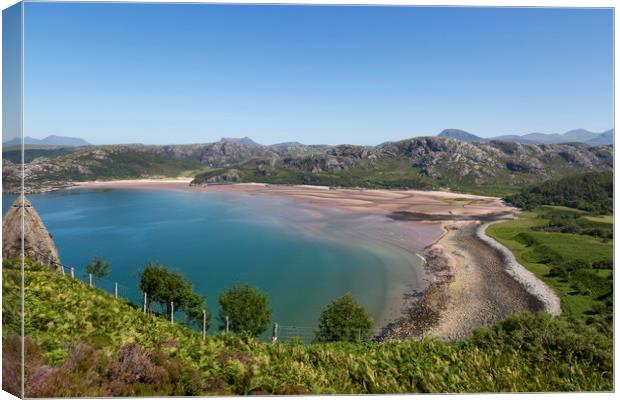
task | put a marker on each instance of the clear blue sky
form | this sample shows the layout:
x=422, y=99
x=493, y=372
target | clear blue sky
x=121, y=73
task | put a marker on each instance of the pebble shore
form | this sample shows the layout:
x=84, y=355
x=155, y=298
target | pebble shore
x=475, y=282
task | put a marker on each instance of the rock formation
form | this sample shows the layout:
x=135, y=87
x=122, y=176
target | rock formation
x=38, y=243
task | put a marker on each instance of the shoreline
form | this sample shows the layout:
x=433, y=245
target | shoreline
x=528, y=280
x=473, y=280
x=478, y=283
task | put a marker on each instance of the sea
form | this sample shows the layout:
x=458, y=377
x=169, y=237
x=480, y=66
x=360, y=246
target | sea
x=301, y=256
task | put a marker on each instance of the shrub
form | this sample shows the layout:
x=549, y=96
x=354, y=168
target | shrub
x=344, y=320
x=12, y=364
x=247, y=309
x=588, y=282
x=603, y=264
x=525, y=238
x=131, y=371
x=544, y=254
x=566, y=269
x=541, y=337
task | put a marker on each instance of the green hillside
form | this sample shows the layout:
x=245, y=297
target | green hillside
x=498, y=168
x=593, y=191
x=83, y=342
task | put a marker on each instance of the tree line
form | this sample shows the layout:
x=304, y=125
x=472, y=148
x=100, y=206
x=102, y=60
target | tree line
x=242, y=309
x=592, y=191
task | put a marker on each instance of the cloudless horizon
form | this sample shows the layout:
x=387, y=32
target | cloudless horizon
x=191, y=73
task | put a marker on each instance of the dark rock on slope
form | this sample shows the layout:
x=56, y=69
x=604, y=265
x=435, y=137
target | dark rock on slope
x=37, y=241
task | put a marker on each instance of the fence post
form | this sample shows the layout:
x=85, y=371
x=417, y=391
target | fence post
x=204, y=324
x=144, y=302
x=171, y=311
x=227, y=324
x=274, y=334
x=116, y=290
x=90, y=280
x=62, y=269
x=72, y=272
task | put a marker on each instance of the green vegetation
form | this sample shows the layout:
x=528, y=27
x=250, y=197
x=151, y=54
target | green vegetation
x=126, y=164
x=607, y=219
x=381, y=174
x=165, y=287
x=344, y=320
x=98, y=268
x=566, y=220
x=579, y=266
x=591, y=192
x=81, y=341
x=247, y=310
x=15, y=155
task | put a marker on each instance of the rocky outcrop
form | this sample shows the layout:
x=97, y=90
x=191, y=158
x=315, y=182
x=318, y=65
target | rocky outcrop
x=443, y=157
x=230, y=176
x=22, y=225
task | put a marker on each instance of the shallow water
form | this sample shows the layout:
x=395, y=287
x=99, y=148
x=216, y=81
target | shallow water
x=301, y=256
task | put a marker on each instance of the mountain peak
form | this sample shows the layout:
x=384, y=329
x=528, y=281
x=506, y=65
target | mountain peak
x=461, y=135
x=575, y=135
x=51, y=140
x=243, y=140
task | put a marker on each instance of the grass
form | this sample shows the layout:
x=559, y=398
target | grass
x=68, y=321
x=605, y=219
x=568, y=247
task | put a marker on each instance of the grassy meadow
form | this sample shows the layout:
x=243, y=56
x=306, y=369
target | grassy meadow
x=540, y=250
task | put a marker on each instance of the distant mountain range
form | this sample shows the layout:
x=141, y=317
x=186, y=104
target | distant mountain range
x=574, y=136
x=52, y=140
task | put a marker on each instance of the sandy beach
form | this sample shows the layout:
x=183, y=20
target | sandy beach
x=164, y=183
x=370, y=200
x=472, y=283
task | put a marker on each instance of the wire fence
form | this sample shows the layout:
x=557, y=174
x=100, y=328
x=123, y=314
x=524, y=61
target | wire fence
x=279, y=333
x=113, y=287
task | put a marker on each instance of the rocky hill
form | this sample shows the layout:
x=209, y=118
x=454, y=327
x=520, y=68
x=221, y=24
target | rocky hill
x=423, y=162
x=426, y=162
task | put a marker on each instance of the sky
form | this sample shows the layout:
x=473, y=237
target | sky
x=180, y=73
x=11, y=72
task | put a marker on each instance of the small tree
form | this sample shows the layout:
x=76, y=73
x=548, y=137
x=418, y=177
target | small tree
x=344, y=320
x=193, y=310
x=247, y=308
x=164, y=286
x=98, y=267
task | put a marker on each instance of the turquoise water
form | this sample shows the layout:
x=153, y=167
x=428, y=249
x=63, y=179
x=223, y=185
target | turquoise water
x=300, y=256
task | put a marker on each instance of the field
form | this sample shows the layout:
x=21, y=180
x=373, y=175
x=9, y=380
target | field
x=541, y=250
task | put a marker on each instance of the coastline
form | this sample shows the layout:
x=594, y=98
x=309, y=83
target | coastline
x=528, y=280
x=473, y=281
